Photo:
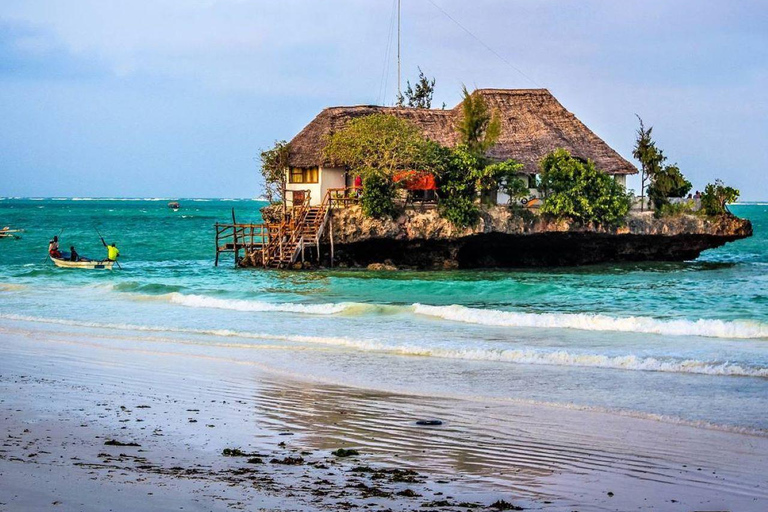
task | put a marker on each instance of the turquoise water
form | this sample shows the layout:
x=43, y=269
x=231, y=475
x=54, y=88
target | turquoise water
x=686, y=341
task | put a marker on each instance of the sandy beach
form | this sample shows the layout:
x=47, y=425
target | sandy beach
x=74, y=406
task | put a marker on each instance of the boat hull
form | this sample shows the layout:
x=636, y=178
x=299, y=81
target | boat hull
x=89, y=265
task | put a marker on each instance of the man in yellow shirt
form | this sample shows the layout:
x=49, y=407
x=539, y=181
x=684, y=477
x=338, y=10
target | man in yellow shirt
x=112, y=252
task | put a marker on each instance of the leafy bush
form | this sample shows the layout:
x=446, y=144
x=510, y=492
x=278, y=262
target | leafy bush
x=674, y=209
x=667, y=182
x=460, y=210
x=575, y=189
x=377, y=142
x=716, y=197
x=378, y=195
x=375, y=147
x=274, y=167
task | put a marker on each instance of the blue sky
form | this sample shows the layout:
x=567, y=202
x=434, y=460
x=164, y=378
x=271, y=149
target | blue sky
x=175, y=98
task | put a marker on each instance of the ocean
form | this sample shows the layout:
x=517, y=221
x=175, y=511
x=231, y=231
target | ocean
x=676, y=342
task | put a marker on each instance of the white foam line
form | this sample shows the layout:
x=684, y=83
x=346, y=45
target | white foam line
x=597, y=322
x=202, y=301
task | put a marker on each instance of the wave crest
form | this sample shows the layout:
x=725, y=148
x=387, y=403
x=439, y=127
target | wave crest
x=597, y=322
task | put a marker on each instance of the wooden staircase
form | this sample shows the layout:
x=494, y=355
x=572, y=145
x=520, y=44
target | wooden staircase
x=304, y=229
x=282, y=245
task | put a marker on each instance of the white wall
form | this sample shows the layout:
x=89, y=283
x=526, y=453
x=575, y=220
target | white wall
x=314, y=189
x=330, y=177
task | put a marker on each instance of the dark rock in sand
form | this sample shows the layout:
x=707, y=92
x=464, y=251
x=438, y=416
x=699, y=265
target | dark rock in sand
x=341, y=452
x=429, y=423
x=113, y=442
x=504, y=505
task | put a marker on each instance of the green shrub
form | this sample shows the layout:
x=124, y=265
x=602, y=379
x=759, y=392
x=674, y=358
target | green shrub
x=459, y=210
x=667, y=182
x=575, y=189
x=716, y=197
x=674, y=209
x=378, y=195
x=375, y=147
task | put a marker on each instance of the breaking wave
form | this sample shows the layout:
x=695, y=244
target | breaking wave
x=741, y=329
x=597, y=322
x=517, y=356
x=202, y=301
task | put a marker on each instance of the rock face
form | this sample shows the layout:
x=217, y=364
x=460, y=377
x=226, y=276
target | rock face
x=502, y=238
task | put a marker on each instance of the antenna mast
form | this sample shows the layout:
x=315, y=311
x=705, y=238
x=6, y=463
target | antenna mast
x=399, y=93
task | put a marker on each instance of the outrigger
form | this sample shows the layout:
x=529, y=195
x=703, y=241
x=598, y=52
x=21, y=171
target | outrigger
x=7, y=232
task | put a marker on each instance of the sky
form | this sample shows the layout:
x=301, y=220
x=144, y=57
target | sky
x=176, y=98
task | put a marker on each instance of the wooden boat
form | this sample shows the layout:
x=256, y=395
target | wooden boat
x=10, y=233
x=91, y=265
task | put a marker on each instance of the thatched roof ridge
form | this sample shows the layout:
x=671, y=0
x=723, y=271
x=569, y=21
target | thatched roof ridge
x=533, y=123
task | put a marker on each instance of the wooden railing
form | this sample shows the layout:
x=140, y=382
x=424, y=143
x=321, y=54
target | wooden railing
x=249, y=237
x=281, y=242
x=344, y=197
x=288, y=234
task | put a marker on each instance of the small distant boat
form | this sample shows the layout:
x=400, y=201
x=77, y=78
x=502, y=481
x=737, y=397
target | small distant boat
x=174, y=205
x=87, y=264
x=7, y=232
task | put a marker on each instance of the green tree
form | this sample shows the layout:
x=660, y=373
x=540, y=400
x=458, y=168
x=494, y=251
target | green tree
x=375, y=143
x=463, y=175
x=575, y=189
x=274, y=171
x=667, y=182
x=663, y=181
x=458, y=185
x=375, y=147
x=716, y=198
x=649, y=156
x=419, y=96
x=479, y=127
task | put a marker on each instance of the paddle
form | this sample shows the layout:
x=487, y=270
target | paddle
x=105, y=245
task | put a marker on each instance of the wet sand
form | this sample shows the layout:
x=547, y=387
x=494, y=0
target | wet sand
x=64, y=398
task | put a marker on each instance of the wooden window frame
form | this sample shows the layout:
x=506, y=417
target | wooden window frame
x=309, y=175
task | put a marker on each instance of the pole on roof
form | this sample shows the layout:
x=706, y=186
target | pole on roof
x=399, y=93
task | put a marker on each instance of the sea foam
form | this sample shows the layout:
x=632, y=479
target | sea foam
x=597, y=322
x=202, y=301
x=518, y=356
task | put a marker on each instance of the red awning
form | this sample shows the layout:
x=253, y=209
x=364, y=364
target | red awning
x=416, y=180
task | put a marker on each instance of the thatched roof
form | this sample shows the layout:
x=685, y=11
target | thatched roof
x=533, y=123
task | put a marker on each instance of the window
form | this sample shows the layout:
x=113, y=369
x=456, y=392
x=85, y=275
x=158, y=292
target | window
x=303, y=175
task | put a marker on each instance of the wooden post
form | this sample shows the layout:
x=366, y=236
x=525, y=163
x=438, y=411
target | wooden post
x=234, y=237
x=216, y=262
x=331, y=240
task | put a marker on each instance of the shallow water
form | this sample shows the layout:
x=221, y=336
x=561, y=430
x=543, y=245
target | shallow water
x=683, y=341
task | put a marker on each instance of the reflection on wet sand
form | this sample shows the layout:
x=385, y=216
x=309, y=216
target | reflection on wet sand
x=525, y=449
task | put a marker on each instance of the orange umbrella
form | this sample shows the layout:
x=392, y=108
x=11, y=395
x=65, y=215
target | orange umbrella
x=416, y=180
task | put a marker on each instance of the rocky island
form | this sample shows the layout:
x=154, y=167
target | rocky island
x=507, y=178
x=424, y=240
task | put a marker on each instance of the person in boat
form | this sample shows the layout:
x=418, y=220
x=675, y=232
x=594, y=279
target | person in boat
x=53, y=248
x=73, y=256
x=112, y=252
